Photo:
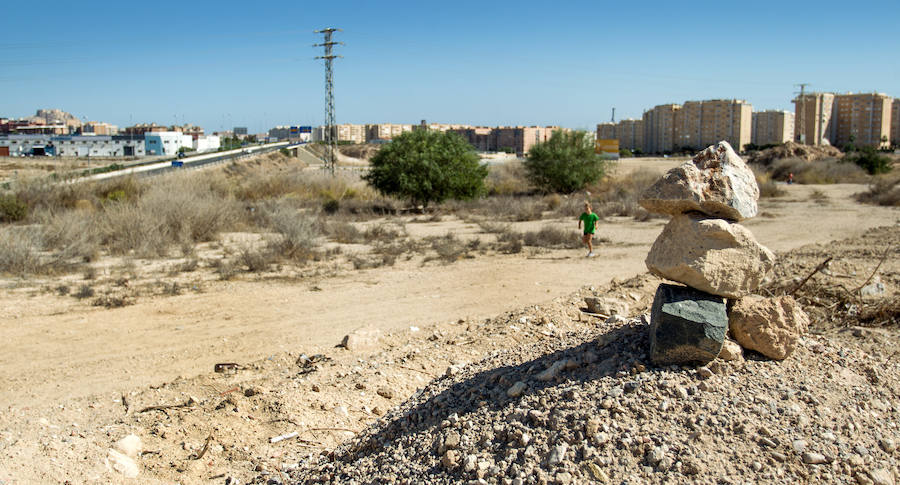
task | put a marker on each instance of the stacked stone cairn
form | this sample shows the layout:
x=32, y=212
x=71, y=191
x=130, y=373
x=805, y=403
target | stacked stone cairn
x=705, y=248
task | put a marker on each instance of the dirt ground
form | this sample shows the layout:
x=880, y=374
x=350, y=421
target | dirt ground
x=76, y=378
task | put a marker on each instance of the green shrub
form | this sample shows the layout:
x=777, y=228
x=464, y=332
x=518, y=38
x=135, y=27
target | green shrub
x=427, y=166
x=564, y=163
x=869, y=160
x=12, y=209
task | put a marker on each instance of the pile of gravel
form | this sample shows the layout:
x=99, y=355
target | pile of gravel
x=587, y=407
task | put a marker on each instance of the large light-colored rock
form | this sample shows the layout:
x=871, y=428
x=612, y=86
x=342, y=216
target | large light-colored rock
x=770, y=326
x=716, y=182
x=606, y=306
x=711, y=255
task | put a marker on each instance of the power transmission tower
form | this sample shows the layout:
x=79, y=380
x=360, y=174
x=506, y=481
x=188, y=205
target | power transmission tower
x=802, y=131
x=330, y=129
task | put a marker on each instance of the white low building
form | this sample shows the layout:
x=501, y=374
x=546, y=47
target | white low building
x=76, y=145
x=209, y=143
x=166, y=142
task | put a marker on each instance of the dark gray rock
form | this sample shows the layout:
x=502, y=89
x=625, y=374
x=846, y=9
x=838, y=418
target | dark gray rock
x=686, y=326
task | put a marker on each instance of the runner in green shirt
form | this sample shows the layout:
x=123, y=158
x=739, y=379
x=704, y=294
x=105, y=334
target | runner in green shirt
x=590, y=220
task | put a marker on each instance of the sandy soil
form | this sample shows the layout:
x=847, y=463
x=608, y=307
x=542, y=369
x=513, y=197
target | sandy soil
x=56, y=355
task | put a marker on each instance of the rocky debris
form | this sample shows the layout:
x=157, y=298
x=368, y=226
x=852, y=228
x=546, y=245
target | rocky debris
x=881, y=476
x=122, y=463
x=875, y=288
x=716, y=182
x=517, y=389
x=686, y=325
x=606, y=306
x=361, y=339
x=731, y=350
x=605, y=416
x=770, y=326
x=710, y=255
x=791, y=149
x=130, y=445
x=385, y=392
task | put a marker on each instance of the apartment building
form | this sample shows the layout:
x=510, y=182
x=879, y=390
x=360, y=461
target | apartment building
x=99, y=128
x=863, y=118
x=351, y=133
x=772, y=127
x=699, y=124
x=814, y=119
x=424, y=125
x=516, y=139
x=386, y=131
x=659, y=128
x=607, y=131
x=630, y=134
x=895, y=122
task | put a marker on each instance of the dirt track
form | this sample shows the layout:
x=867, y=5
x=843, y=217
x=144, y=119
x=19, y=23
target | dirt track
x=55, y=350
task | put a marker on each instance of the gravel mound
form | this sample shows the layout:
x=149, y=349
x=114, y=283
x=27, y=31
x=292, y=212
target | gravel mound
x=590, y=409
x=585, y=406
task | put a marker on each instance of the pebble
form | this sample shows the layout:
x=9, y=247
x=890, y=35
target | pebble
x=881, y=476
x=704, y=372
x=557, y=454
x=811, y=458
x=517, y=389
x=451, y=441
x=385, y=392
x=450, y=459
x=799, y=446
x=888, y=445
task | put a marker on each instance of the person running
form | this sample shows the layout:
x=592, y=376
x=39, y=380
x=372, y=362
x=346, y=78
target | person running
x=590, y=220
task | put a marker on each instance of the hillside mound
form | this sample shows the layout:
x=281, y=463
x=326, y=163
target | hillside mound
x=586, y=406
x=809, y=153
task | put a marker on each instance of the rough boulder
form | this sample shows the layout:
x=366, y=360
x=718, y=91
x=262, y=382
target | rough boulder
x=686, y=326
x=710, y=255
x=716, y=182
x=770, y=326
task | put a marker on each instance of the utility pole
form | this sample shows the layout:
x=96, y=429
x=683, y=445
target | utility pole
x=330, y=130
x=802, y=132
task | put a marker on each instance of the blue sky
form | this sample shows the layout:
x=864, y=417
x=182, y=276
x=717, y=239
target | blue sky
x=224, y=64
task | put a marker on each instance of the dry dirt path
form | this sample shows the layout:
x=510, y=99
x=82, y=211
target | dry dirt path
x=50, y=353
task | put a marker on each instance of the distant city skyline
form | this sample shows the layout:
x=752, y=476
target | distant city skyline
x=226, y=64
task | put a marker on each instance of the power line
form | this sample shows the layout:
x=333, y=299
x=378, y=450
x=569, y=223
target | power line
x=330, y=130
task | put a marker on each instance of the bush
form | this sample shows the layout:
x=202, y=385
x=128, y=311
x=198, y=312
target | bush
x=564, y=163
x=173, y=210
x=828, y=171
x=297, y=233
x=11, y=208
x=427, y=166
x=869, y=160
x=884, y=191
x=18, y=251
x=508, y=178
x=552, y=237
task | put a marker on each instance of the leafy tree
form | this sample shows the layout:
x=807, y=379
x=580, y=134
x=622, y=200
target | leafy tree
x=564, y=163
x=427, y=166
